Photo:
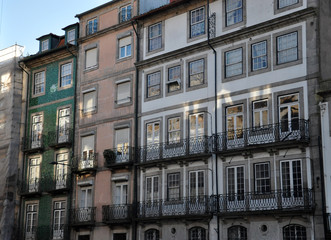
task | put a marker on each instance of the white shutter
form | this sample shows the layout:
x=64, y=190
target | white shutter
x=91, y=58
x=87, y=143
x=122, y=136
x=123, y=92
x=124, y=41
x=89, y=101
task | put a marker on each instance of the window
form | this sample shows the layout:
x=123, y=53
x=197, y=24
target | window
x=152, y=234
x=89, y=101
x=262, y=178
x=234, y=11
x=87, y=157
x=85, y=198
x=289, y=113
x=197, y=22
x=31, y=221
x=121, y=194
x=259, y=56
x=59, y=219
x=44, y=45
x=234, y=62
x=39, y=83
x=34, y=174
x=174, y=76
x=173, y=186
x=36, y=131
x=260, y=113
x=155, y=37
x=291, y=178
x=61, y=172
x=125, y=47
x=91, y=56
x=152, y=188
x=196, y=71
x=119, y=236
x=287, y=48
x=125, y=13
x=66, y=74
x=234, y=122
x=71, y=36
x=92, y=26
x=153, y=133
x=63, y=125
x=197, y=128
x=286, y=3
x=236, y=183
x=237, y=233
x=197, y=233
x=154, y=84
x=174, y=130
x=197, y=183
x=122, y=144
x=294, y=232
x=123, y=92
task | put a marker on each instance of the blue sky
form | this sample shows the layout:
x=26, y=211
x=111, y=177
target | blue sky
x=22, y=21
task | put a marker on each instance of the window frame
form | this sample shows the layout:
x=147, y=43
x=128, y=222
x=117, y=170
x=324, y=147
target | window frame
x=89, y=48
x=41, y=93
x=178, y=181
x=36, y=213
x=256, y=179
x=197, y=181
x=40, y=134
x=127, y=54
x=154, y=231
x=62, y=209
x=203, y=236
x=158, y=121
x=126, y=13
x=236, y=195
x=149, y=195
x=150, y=51
x=58, y=117
x=127, y=101
x=299, y=60
x=168, y=81
x=278, y=10
x=238, y=228
x=188, y=74
x=147, y=74
x=95, y=109
x=190, y=24
x=71, y=41
x=94, y=26
x=252, y=72
x=225, y=26
x=260, y=111
x=243, y=62
x=45, y=45
x=287, y=227
x=181, y=130
x=60, y=86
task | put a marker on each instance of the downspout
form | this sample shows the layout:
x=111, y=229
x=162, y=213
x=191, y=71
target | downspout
x=215, y=104
x=20, y=220
x=136, y=109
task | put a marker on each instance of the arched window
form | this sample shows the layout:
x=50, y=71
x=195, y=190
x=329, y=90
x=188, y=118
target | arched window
x=152, y=234
x=197, y=233
x=294, y=232
x=237, y=233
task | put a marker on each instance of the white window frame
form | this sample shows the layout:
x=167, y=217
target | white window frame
x=197, y=21
x=198, y=130
x=64, y=116
x=123, y=93
x=152, y=191
x=237, y=131
x=259, y=113
x=290, y=120
x=39, y=82
x=59, y=215
x=173, y=185
x=237, y=193
x=291, y=52
x=155, y=138
x=259, y=55
x=93, y=94
x=174, y=78
x=197, y=68
x=155, y=42
x=45, y=45
x=89, y=53
x=86, y=200
x=91, y=26
x=125, y=44
x=125, y=13
x=31, y=221
x=71, y=36
x=291, y=190
x=153, y=83
x=66, y=74
x=121, y=194
x=235, y=14
x=174, y=133
x=36, y=130
x=61, y=170
x=195, y=188
x=262, y=183
x=234, y=60
x=286, y=3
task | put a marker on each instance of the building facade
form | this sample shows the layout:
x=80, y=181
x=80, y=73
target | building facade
x=45, y=186
x=11, y=94
x=103, y=162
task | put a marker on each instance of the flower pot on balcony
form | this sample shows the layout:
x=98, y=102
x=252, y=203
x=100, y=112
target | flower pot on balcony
x=109, y=155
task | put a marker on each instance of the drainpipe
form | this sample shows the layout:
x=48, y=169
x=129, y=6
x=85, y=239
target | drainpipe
x=136, y=109
x=215, y=103
x=20, y=220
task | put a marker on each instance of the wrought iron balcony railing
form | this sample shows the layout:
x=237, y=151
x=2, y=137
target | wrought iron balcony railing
x=33, y=143
x=182, y=149
x=59, y=231
x=284, y=132
x=82, y=216
x=118, y=156
x=59, y=183
x=281, y=200
x=36, y=232
x=190, y=206
x=116, y=213
x=85, y=163
x=31, y=186
x=61, y=137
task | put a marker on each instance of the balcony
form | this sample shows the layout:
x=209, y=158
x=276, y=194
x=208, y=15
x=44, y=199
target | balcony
x=60, y=231
x=189, y=148
x=279, y=134
x=274, y=202
x=82, y=216
x=60, y=138
x=121, y=213
x=34, y=143
x=191, y=207
x=118, y=157
x=58, y=184
x=81, y=164
x=31, y=187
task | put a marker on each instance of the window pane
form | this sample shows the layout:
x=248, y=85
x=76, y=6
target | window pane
x=91, y=58
x=234, y=12
x=155, y=37
x=259, y=56
x=196, y=69
x=287, y=48
x=233, y=63
x=65, y=75
x=123, y=92
x=285, y=3
x=153, y=84
x=89, y=103
x=197, y=22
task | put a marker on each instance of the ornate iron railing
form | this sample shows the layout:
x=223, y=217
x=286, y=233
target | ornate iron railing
x=31, y=186
x=116, y=213
x=81, y=163
x=82, y=216
x=190, y=206
x=59, y=231
x=33, y=143
x=120, y=155
x=60, y=137
x=183, y=148
x=297, y=131
x=280, y=200
x=57, y=183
